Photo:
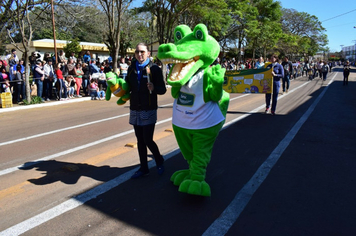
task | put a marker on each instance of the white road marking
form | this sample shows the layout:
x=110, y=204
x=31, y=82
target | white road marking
x=232, y=99
x=88, y=145
x=61, y=130
x=12, y=169
x=229, y=216
x=68, y=128
x=72, y=203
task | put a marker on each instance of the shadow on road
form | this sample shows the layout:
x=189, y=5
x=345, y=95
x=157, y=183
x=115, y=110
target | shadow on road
x=69, y=173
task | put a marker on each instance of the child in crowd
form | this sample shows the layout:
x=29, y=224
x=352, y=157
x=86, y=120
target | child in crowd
x=69, y=82
x=6, y=86
x=94, y=91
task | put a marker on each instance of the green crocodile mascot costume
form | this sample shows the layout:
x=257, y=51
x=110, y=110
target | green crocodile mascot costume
x=200, y=103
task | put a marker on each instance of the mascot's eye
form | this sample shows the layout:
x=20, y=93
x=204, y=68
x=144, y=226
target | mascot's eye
x=179, y=35
x=199, y=34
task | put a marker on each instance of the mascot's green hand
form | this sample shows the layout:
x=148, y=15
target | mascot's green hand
x=214, y=78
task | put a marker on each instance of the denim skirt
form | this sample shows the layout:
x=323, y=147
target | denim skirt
x=142, y=118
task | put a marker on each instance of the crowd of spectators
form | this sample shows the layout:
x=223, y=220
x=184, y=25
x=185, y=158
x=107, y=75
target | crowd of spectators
x=71, y=77
x=75, y=77
x=299, y=68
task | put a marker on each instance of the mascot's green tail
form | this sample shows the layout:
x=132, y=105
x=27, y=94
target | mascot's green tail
x=224, y=103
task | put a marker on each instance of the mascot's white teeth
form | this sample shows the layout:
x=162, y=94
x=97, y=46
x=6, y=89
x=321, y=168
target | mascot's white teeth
x=175, y=61
x=180, y=70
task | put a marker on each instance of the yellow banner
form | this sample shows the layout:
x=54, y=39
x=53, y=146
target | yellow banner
x=249, y=81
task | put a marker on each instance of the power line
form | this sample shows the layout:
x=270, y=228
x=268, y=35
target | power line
x=339, y=15
x=351, y=23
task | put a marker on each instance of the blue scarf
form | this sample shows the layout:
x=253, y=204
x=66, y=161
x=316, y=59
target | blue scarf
x=139, y=68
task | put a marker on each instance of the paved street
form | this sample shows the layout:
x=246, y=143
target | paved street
x=65, y=168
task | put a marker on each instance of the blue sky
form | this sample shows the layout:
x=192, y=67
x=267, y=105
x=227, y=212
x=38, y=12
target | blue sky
x=340, y=30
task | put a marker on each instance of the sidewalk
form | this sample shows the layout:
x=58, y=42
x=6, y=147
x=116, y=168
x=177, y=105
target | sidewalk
x=17, y=107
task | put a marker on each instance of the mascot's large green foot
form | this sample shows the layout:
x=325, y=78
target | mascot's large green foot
x=179, y=176
x=189, y=184
x=195, y=187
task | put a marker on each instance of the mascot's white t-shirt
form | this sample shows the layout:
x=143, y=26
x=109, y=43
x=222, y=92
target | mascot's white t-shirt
x=189, y=109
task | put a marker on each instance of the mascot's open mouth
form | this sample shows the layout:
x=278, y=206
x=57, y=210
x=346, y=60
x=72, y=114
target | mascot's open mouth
x=180, y=67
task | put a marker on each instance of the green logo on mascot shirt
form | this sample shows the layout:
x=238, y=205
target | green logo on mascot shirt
x=185, y=99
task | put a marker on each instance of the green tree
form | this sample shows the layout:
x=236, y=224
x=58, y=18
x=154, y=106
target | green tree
x=244, y=19
x=272, y=32
x=87, y=23
x=72, y=46
x=16, y=19
x=167, y=14
x=266, y=32
x=114, y=11
x=3, y=41
x=214, y=14
x=307, y=28
x=135, y=29
x=43, y=28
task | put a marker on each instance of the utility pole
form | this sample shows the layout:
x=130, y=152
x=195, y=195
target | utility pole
x=354, y=50
x=151, y=35
x=54, y=35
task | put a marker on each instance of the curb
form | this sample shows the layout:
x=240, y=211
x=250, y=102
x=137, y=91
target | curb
x=45, y=104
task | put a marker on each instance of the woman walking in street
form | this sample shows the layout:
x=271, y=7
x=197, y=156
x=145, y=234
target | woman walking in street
x=146, y=82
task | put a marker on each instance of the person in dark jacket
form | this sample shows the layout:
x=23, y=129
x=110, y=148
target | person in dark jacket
x=146, y=82
x=288, y=72
x=86, y=79
x=278, y=74
x=346, y=73
x=38, y=77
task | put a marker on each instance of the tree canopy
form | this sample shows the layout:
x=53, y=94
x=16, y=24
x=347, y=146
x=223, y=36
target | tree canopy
x=304, y=33
x=255, y=27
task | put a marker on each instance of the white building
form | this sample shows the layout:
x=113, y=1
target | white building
x=349, y=52
x=97, y=50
